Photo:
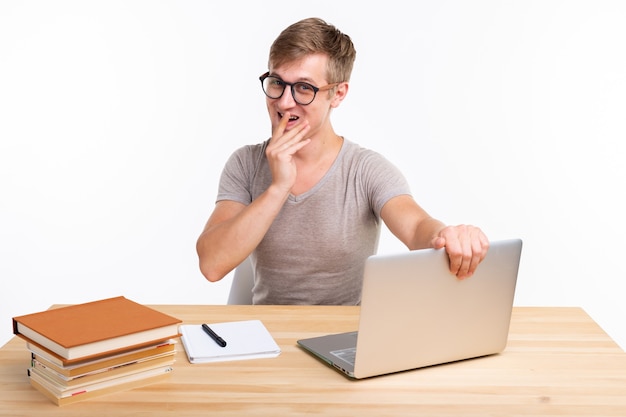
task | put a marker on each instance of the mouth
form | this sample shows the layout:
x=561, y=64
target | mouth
x=291, y=118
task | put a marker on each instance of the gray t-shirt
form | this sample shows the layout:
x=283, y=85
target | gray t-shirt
x=315, y=250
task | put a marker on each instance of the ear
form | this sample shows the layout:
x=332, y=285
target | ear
x=341, y=91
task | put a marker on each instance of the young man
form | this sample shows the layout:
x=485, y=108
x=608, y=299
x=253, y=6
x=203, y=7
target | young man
x=307, y=203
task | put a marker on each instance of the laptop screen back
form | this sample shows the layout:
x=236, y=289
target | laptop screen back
x=415, y=313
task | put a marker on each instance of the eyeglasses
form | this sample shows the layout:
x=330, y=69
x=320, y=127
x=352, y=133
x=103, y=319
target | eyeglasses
x=303, y=93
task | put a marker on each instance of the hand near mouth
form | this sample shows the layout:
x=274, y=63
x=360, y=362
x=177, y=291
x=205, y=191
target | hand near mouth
x=281, y=148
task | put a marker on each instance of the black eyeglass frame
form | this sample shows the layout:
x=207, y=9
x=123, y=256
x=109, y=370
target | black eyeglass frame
x=292, y=85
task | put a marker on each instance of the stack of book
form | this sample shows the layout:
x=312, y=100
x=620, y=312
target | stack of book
x=87, y=350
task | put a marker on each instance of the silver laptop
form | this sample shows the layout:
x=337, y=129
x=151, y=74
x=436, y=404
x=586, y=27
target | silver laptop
x=415, y=313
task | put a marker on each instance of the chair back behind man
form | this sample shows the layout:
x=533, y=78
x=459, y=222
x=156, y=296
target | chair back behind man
x=241, y=287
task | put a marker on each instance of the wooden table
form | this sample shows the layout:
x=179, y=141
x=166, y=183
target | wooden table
x=558, y=362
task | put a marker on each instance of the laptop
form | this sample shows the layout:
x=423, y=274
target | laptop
x=415, y=313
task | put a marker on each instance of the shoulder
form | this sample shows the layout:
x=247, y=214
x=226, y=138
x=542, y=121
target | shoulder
x=365, y=157
x=250, y=151
x=247, y=155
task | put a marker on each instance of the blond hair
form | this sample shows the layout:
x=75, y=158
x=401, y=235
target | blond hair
x=313, y=36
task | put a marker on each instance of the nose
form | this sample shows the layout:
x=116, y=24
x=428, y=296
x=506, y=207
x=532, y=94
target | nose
x=286, y=101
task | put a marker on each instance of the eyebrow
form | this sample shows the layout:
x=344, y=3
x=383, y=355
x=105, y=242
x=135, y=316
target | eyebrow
x=300, y=80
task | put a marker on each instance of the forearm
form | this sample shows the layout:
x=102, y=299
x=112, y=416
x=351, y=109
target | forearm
x=228, y=239
x=410, y=223
x=425, y=233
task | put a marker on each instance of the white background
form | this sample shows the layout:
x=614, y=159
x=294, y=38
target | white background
x=117, y=116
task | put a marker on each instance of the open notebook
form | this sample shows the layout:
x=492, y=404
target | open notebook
x=247, y=339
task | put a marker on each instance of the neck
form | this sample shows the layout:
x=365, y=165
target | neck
x=320, y=148
x=312, y=164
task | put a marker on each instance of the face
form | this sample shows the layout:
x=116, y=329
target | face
x=310, y=69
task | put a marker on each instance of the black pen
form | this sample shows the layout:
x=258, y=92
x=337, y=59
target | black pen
x=214, y=335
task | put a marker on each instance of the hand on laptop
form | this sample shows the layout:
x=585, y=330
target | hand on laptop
x=466, y=247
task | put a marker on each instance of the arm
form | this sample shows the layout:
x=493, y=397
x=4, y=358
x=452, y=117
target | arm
x=466, y=245
x=234, y=229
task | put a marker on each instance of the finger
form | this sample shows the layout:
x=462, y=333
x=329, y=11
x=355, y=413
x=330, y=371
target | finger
x=466, y=254
x=466, y=259
x=479, y=244
x=285, y=119
x=455, y=255
x=278, y=133
x=282, y=139
x=282, y=125
x=438, y=242
x=299, y=132
x=287, y=149
x=472, y=264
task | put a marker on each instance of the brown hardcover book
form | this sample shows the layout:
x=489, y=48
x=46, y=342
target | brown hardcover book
x=81, y=368
x=108, y=326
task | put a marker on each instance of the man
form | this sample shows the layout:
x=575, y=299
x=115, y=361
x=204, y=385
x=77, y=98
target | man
x=307, y=203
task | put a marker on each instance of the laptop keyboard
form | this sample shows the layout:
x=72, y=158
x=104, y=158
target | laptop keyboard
x=347, y=354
